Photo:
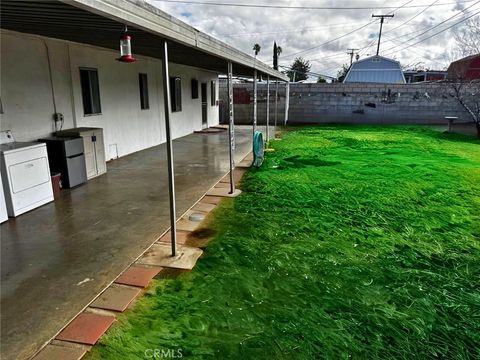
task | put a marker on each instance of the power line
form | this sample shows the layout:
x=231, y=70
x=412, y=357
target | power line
x=306, y=73
x=422, y=40
x=423, y=31
x=439, y=24
x=437, y=33
x=327, y=42
x=344, y=35
x=301, y=7
x=412, y=18
x=291, y=30
x=419, y=54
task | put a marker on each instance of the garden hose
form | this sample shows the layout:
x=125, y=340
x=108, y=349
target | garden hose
x=258, y=151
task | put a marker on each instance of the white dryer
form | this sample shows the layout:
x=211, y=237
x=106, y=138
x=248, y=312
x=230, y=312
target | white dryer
x=25, y=174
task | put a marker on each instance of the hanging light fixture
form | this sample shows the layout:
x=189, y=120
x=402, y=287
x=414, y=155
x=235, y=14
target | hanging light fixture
x=126, y=48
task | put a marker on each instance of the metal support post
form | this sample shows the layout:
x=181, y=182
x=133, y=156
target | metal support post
x=276, y=103
x=254, y=102
x=171, y=174
x=231, y=124
x=287, y=101
x=268, y=109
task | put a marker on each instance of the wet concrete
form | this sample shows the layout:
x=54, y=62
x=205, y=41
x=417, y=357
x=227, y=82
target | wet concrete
x=57, y=258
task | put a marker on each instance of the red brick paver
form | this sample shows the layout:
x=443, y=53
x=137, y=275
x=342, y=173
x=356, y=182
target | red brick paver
x=116, y=298
x=138, y=276
x=86, y=328
x=53, y=352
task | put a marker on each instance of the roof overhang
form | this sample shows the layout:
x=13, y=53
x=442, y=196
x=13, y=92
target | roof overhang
x=100, y=23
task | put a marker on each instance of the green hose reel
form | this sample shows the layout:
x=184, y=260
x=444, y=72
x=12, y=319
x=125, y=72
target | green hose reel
x=258, y=150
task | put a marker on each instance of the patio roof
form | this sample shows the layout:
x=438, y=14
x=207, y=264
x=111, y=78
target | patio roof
x=101, y=23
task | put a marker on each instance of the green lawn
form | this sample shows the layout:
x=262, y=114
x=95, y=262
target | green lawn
x=350, y=242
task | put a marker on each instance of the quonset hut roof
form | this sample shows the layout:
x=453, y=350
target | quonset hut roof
x=375, y=69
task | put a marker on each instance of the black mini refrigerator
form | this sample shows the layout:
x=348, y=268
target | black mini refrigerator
x=66, y=156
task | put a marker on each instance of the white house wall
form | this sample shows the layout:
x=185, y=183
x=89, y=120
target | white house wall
x=27, y=99
x=25, y=86
x=191, y=114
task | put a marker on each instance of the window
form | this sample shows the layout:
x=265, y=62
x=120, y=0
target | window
x=90, y=91
x=176, y=93
x=213, y=93
x=143, y=83
x=194, y=89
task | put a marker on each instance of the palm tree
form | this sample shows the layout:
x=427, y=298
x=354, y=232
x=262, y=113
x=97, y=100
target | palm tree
x=256, y=48
x=277, y=50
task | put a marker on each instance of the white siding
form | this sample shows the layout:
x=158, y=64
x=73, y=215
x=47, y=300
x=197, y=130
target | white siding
x=28, y=103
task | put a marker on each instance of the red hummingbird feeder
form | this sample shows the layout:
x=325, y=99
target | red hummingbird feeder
x=126, y=48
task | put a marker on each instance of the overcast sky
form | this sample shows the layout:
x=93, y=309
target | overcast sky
x=298, y=30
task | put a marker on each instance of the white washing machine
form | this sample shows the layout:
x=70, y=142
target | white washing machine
x=25, y=173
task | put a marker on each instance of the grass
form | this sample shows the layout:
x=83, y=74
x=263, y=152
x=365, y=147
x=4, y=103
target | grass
x=350, y=242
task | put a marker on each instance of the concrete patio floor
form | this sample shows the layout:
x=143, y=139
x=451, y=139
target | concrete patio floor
x=57, y=258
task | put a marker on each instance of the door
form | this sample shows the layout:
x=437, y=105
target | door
x=89, y=148
x=204, y=106
x=100, y=152
x=76, y=172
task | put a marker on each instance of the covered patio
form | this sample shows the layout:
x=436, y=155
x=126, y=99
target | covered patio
x=58, y=258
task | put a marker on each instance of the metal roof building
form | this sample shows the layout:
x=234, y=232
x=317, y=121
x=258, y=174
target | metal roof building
x=375, y=69
x=467, y=68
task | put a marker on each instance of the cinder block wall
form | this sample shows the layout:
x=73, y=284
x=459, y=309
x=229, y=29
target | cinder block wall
x=243, y=113
x=352, y=103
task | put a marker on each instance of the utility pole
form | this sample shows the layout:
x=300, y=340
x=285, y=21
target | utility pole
x=351, y=52
x=382, y=18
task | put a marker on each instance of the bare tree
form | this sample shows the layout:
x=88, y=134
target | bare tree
x=468, y=37
x=467, y=93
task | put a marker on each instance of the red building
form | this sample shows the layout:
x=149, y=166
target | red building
x=424, y=75
x=467, y=68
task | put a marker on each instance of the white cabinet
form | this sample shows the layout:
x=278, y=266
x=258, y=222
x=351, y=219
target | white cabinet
x=93, y=146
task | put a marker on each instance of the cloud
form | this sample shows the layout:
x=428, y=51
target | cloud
x=298, y=30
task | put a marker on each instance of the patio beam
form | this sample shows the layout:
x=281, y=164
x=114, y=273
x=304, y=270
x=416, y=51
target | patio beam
x=148, y=18
x=231, y=124
x=171, y=171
